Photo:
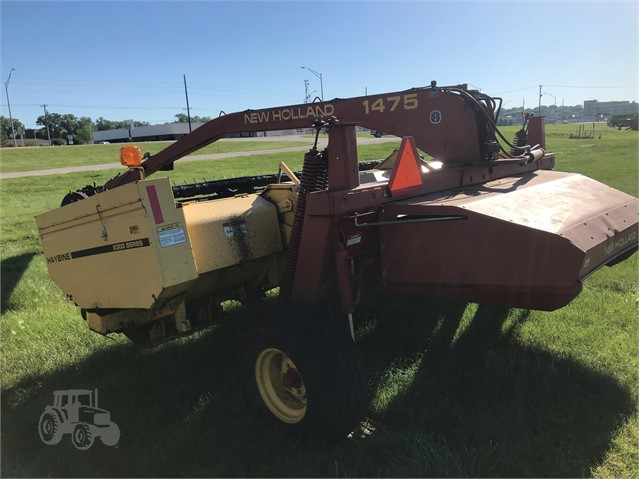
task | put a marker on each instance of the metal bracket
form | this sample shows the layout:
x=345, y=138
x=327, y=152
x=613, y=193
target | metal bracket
x=412, y=219
x=104, y=235
x=284, y=168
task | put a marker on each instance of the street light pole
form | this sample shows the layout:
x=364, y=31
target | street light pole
x=318, y=75
x=6, y=89
x=188, y=109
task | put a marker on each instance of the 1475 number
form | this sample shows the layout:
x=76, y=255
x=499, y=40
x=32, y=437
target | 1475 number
x=408, y=102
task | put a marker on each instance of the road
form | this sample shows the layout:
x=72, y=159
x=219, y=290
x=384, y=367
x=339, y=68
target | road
x=213, y=156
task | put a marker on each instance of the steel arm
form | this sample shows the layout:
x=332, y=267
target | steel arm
x=443, y=124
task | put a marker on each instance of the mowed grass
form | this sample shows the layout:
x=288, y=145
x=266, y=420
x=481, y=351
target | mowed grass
x=40, y=158
x=456, y=389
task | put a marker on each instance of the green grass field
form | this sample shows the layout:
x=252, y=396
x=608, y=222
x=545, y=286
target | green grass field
x=456, y=389
x=39, y=158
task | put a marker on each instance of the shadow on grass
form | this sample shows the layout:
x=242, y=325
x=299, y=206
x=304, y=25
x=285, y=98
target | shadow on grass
x=177, y=406
x=11, y=271
x=478, y=405
x=485, y=405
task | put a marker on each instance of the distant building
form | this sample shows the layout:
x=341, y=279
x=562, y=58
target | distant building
x=169, y=131
x=594, y=107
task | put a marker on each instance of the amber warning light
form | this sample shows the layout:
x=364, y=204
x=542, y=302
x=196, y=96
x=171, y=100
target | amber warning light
x=130, y=156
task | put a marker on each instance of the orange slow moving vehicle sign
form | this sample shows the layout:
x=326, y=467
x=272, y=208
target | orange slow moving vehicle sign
x=407, y=173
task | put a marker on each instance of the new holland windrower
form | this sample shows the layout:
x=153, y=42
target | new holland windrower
x=481, y=219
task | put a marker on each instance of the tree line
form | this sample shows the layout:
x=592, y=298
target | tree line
x=553, y=114
x=61, y=126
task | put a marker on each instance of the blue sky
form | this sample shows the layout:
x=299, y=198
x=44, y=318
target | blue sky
x=122, y=60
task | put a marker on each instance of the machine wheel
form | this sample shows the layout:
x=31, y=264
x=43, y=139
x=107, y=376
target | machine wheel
x=307, y=374
x=49, y=428
x=378, y=134
x=82, y=436
x=111, y=435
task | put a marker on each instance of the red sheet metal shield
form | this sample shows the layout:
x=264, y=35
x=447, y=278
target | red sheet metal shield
x=406, y=176
x=526, y=241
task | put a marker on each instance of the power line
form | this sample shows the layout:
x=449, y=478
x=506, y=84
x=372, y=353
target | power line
x=518, y=89
x=586, y=86
x=44, y=80
x=561, y=86
x=56, y=105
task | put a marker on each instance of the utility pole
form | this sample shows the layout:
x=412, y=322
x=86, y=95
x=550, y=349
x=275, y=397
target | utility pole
x=188, y=109
x=6, y=89
x=318, y=75
x=539, y=109
x=46, y=121
x=306, y=91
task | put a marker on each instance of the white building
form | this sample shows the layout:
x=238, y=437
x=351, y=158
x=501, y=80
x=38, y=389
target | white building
x=169, y=131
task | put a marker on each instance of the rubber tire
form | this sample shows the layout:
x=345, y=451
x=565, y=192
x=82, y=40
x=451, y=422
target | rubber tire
x=111, y=436
x=82, y=437
x=330, y=366
x=55, y=436
x=378, y=134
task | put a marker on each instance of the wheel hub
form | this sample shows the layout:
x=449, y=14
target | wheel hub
x=292, y=379
x=281, y=385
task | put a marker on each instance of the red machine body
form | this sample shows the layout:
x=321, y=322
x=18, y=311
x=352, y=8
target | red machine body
x=479, y=222
x=484, y=224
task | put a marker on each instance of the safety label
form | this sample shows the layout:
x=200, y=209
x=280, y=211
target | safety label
x=354, y=239
x=235, y=228
x=170, y=235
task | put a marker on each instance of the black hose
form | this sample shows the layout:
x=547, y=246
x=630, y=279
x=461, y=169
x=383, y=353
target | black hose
x=474, y=103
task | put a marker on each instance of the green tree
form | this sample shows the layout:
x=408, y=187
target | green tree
x=6, y=134
x=53, y=120
x=102, y=124
x=63, y=125
x=183, y=118
x=84, y=130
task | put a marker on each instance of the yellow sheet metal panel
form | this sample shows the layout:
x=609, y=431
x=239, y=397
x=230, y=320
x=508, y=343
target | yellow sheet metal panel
x=284, y=197
x=168, y=234
x=82, y=209
x=92, y=255
x=123, y=248
x=231, y=231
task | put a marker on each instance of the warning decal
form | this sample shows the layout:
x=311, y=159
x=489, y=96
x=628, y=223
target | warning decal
x=170, y=235
x=235, y=228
